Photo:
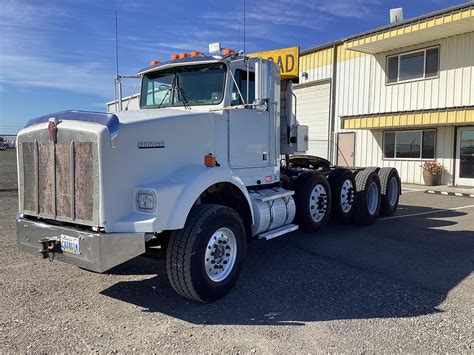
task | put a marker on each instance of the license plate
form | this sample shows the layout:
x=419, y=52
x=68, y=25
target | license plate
x=70, y=244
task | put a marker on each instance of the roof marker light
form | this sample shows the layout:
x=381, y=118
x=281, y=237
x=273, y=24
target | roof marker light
x=154, y=62
x=174, y=56
x=228, y=51
x=183, y=55
x=196, y=54
x=215, y=47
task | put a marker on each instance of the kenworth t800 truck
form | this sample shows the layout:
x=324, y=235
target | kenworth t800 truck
x=212, y=160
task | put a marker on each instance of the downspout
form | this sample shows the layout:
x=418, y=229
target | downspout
x=332, y=122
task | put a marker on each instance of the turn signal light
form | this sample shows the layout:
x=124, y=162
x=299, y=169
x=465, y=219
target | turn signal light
x=154, y=62
x=196, y=53
x=228, y=51
x=210, y=161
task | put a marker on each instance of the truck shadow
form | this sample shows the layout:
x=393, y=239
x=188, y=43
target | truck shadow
x=394, y=268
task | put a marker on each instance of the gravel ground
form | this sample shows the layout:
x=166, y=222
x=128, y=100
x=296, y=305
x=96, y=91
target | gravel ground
x=401, y=285
x=8, y=179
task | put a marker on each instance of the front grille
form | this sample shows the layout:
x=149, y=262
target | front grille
x=59, y=180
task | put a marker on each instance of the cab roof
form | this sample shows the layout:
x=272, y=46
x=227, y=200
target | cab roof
x=182, y=61
x=206, y=59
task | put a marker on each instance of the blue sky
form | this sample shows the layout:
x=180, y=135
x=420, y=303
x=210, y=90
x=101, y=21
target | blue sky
x=60, y=54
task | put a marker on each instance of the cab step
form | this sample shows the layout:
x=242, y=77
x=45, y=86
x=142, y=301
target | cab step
x=278, y=232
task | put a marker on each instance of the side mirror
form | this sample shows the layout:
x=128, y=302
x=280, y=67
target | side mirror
x=263, y=80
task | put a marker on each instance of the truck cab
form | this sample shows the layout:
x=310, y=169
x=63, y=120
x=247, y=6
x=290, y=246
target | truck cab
x=208, y=163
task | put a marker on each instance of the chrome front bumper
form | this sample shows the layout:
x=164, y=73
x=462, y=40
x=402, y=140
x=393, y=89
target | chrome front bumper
x=98, y=252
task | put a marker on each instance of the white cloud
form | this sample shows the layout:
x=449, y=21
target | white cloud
x=31, y=71
x=28, y=57
x=342, y=8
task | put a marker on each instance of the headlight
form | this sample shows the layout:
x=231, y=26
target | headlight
x=145, y=200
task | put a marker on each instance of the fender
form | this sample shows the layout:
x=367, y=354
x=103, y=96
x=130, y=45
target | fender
x=176, y=195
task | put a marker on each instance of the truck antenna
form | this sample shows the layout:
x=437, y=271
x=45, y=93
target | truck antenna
x=244, y=26
x=116, y=44
x=118, y=79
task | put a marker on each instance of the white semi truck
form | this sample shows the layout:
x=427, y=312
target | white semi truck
x=212, y=160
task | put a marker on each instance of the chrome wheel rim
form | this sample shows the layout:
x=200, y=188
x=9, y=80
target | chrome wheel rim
x=347, y=195
x=392, y=191
x=221, y=253
x=372, y=198
x=318, y=203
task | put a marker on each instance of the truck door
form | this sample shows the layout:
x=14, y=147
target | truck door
x=249, y=130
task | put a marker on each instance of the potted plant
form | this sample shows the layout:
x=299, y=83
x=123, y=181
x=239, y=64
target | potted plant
x=432, y=172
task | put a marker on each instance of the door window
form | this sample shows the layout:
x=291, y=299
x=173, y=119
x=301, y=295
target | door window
x=466, y=154
x=243, y=83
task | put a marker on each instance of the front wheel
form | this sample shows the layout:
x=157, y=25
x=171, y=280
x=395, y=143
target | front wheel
x=204, y=259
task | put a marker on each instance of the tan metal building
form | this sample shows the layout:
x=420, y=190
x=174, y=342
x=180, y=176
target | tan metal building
x=395, y=96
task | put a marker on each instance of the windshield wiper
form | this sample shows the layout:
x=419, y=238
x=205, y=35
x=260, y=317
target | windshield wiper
x=181, y=93
x=166, y=95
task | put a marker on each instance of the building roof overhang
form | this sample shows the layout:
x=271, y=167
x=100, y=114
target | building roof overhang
x=411, y=119
x=425, y=29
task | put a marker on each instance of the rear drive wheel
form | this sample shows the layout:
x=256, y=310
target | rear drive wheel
x=343, y=188
x=204, y=259
x=391, y=190
x=368, y=198
x=313, y=201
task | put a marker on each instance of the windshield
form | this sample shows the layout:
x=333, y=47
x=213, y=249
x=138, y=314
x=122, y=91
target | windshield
x=194, y=85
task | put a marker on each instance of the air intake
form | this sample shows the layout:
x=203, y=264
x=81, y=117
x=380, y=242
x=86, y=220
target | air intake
x=396, y=15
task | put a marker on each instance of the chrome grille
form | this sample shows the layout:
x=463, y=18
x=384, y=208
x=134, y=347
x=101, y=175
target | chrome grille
x=59, y=180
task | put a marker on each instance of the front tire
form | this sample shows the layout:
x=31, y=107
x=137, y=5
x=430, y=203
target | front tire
x=204, y=259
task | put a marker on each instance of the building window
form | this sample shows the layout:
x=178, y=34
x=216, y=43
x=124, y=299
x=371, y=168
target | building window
x=416, y=65
x=409, y=144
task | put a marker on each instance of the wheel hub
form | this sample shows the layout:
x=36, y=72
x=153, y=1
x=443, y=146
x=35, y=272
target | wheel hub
x=318, y=203
x=347, y=195
x=220, y=256
x=372, y=198
x=392, y=191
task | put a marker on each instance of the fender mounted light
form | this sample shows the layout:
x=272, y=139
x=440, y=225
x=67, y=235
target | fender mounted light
x=210, y=161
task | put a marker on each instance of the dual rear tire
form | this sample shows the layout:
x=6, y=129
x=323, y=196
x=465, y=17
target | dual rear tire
x=368, y=198
x=378, y=193
x=343, y=191
x=312, y=200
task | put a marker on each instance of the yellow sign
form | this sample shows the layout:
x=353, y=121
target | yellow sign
x=286, y=58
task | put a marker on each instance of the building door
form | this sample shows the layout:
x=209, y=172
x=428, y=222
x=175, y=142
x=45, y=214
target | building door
x=312, y=109
x=345, y=148
x=465, y=157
